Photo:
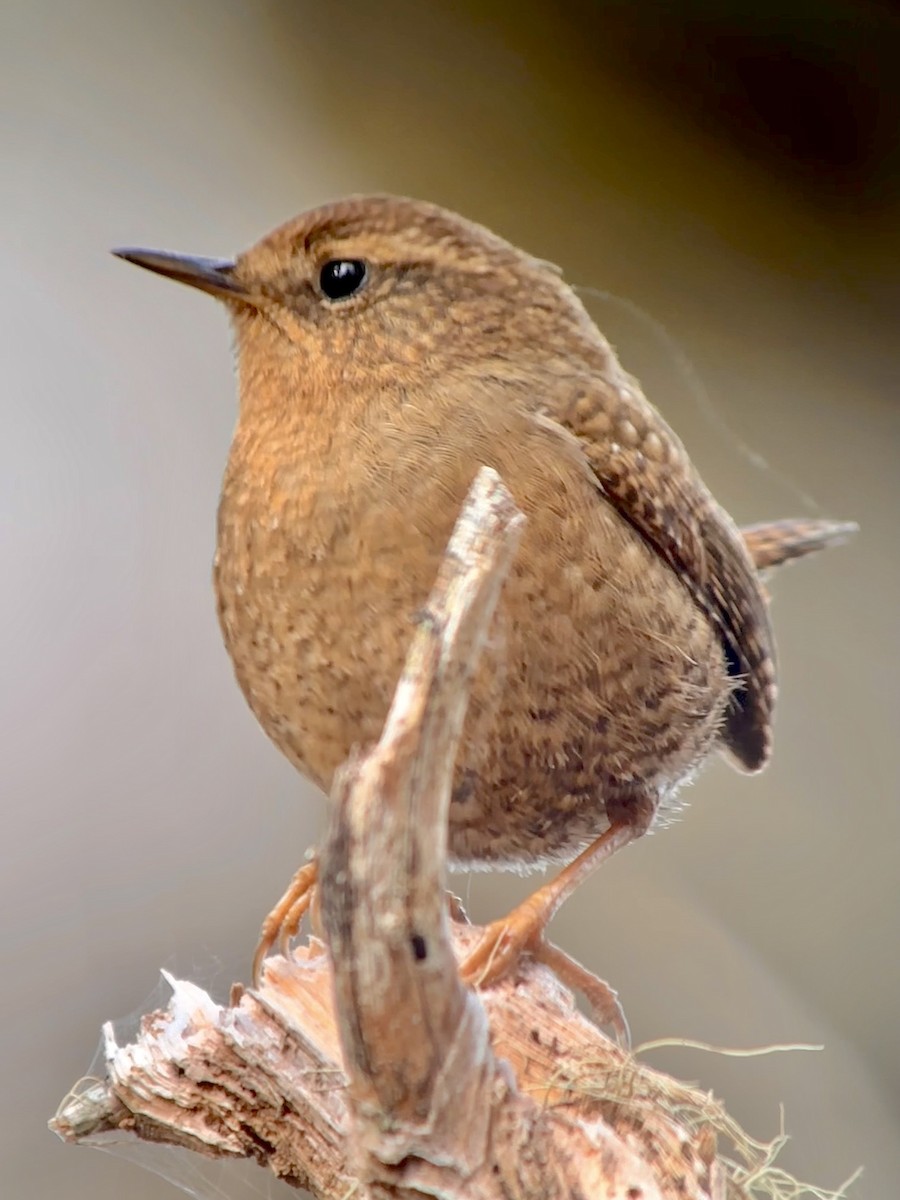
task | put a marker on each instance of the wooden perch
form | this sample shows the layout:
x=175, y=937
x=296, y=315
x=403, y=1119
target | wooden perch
x=364, y=1068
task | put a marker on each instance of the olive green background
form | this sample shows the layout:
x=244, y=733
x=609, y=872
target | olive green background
x=731, y=172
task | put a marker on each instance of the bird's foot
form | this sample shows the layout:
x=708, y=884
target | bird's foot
x=503, y=943
x=282, y=923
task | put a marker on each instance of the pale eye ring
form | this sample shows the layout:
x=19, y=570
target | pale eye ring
x=341, y=277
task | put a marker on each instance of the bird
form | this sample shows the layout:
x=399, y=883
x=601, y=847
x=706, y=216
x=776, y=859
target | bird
x=386, y=349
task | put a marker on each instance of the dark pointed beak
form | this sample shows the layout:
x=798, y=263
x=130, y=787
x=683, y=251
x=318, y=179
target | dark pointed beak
x=213, y=275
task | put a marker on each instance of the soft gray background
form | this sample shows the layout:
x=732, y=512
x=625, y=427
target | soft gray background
x=733, y=175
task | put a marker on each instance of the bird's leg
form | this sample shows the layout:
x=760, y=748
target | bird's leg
x=503, y=942
x=284, y=920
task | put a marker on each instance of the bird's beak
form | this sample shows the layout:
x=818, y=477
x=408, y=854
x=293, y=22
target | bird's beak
x=213, y=275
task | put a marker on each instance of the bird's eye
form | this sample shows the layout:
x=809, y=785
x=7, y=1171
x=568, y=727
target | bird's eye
x=341, y=277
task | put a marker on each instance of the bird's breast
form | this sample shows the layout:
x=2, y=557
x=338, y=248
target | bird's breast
x=317, y=588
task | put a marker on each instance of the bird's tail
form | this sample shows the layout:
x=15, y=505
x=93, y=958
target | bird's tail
x=773, y=543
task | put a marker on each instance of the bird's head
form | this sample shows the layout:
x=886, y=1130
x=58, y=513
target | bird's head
x=387, y=290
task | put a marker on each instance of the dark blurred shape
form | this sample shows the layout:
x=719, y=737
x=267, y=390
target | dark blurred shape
x=810, y=91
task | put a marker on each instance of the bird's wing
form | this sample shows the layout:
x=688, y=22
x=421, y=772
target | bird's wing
x=645, y=473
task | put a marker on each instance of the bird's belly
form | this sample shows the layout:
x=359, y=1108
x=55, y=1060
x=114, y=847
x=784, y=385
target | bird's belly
x=602, y=686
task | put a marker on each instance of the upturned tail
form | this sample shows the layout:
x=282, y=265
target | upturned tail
x=773, y=543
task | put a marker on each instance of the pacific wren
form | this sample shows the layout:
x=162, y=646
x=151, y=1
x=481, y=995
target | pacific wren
x=386, y=349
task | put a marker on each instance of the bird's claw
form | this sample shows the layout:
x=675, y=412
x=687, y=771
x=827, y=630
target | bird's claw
x=282, y=923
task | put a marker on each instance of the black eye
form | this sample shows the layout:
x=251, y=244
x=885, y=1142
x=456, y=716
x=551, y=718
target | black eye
x=341, y=277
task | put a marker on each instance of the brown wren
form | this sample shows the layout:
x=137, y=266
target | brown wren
x=386, y=349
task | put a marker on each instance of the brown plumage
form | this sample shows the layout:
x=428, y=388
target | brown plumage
x=633, y=636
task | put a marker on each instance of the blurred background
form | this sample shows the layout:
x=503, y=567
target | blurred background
x=730, y=170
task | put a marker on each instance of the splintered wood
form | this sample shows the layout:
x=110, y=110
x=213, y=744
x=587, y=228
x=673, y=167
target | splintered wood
x=362, y=1067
